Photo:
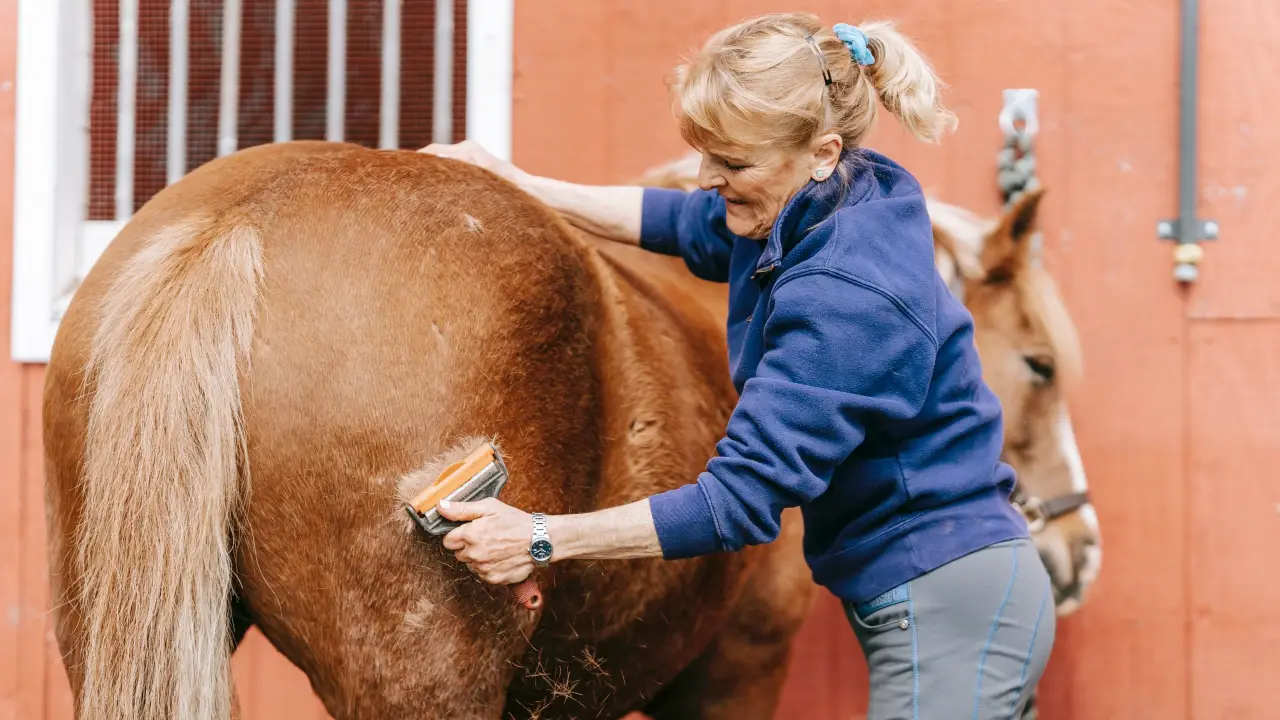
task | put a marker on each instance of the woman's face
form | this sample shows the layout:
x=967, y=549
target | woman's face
x=756, y=183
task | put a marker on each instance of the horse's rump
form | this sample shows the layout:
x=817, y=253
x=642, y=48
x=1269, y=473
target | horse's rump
x=407, y=303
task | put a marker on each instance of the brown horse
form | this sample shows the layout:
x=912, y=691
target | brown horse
x=274, y=341
x=1030, y=356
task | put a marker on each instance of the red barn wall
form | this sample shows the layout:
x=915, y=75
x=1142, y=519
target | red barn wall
x=1176, y=417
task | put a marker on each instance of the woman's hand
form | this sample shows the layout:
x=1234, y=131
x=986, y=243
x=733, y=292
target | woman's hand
x=471, y=152
x=494, y=542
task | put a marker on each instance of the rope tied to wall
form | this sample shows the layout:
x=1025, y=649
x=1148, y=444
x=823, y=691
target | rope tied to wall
x=1016, y=160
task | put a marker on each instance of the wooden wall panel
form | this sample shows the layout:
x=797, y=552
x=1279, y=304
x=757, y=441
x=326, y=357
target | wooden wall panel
x=35, y=623
x=1234, y=517
x=560, y=66
x=11, y=415
x=1120, y=111
x=1239, y=144
x=268, y=686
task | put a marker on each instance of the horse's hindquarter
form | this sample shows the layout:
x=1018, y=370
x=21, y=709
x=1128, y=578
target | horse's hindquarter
x=408, y=304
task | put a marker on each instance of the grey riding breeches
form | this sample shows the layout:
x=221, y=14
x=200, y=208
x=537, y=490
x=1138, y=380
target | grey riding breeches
x=967, y=640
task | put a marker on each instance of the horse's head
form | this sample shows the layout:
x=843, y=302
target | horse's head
x=1030, y=355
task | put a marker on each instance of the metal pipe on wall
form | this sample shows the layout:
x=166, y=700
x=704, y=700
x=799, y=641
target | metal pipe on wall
x=1187, y=230
x=1188, y=73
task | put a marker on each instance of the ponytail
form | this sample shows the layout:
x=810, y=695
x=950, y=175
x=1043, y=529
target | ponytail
x=784, y=79
x=906, y=83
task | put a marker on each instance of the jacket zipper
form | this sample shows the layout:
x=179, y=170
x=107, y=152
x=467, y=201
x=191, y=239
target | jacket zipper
x=763, y=271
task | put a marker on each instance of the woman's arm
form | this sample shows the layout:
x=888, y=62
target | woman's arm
x=611, y=212
x=495, y=540
x=617, y=533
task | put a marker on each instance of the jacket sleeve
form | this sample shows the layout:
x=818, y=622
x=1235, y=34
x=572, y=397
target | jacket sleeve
x=838, y=356
x=690, y=225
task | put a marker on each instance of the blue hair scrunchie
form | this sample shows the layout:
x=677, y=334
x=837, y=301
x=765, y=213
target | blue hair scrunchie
x=856, y=41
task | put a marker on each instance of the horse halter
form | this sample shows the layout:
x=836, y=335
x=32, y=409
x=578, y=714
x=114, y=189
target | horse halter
x=1039, y=512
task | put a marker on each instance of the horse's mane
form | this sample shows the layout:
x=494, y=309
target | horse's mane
x=958, y=238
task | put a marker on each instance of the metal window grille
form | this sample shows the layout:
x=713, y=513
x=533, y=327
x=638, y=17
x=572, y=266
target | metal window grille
x=176, y=83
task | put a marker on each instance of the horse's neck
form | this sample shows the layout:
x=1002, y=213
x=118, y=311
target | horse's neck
x=663, y=372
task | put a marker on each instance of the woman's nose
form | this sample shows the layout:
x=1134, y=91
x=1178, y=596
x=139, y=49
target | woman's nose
x=708, y=177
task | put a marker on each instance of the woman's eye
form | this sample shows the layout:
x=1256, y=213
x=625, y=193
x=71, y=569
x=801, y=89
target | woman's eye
x=734, y=168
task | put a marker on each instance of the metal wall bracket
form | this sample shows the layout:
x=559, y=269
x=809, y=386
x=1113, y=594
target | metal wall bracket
x=1201, y=230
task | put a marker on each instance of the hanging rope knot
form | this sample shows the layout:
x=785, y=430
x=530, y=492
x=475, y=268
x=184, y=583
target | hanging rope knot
x=1016, y=167
x=856, y=41
x=1016, y=160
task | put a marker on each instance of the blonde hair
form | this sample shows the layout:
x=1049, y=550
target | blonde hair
x=761, y=83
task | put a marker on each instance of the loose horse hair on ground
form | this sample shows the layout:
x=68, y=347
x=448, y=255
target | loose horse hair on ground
x=164, y=475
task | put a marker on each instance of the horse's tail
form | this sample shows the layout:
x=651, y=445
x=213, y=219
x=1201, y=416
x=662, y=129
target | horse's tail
x=164, y=475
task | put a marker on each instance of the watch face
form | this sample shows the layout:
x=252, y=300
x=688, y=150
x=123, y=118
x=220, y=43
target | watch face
x=540, y=550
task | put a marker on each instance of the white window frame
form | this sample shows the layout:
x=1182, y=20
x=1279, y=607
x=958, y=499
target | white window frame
x=53, y=245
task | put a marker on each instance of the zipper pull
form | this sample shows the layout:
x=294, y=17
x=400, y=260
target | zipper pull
x=764, y=271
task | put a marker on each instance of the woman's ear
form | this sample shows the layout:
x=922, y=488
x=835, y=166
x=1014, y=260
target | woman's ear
x=826, y=155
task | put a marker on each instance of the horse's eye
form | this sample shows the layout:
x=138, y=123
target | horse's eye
x=1041, y=365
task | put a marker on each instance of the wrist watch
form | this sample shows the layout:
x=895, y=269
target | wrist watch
x=540, y=546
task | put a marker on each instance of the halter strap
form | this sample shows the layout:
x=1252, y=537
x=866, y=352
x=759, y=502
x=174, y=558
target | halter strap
x=1039, y=512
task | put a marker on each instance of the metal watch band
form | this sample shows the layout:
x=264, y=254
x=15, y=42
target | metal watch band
x=540, y=536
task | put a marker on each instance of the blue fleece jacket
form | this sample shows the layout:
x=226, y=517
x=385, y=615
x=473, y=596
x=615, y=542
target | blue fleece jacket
x=861, y=394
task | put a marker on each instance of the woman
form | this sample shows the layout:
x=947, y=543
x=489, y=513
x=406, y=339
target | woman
x=861, y=396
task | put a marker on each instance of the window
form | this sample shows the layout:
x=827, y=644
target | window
x=118, y=98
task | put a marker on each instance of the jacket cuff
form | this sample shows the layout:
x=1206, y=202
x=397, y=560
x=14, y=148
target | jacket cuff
x=685, y=524
x=659, y=214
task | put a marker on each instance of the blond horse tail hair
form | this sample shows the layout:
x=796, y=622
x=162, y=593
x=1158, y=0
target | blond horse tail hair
x=165, y=476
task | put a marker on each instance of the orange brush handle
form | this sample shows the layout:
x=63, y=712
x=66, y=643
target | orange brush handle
x=453, y=477
x=527, y=593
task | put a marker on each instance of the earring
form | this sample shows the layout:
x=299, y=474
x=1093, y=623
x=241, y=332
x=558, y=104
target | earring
x=819, y=174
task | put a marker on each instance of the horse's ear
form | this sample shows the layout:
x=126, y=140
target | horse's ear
x=1008, y=246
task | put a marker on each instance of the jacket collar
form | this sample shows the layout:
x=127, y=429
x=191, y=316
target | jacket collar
x=812, y=204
